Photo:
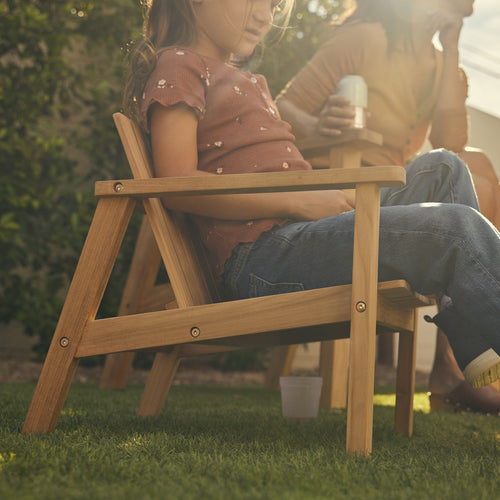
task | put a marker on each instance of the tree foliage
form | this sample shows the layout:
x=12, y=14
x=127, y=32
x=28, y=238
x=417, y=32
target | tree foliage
x=310, y=23
x=62, y=68
x=60, y=73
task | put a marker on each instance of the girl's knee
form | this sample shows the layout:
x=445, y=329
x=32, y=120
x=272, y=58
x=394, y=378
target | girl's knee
x=462, y=218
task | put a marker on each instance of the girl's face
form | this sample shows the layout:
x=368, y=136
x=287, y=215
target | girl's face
x=226, y=27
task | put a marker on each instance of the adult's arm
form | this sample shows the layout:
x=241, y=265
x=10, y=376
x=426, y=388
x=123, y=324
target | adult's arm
x=450, y=123
x=308, y=102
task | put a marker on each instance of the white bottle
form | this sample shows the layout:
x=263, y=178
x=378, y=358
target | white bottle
x=353, y=87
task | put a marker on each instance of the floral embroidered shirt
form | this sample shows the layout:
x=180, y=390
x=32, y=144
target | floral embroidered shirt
x=239, y=131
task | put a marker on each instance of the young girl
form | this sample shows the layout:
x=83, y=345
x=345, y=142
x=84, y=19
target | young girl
x=207, y=117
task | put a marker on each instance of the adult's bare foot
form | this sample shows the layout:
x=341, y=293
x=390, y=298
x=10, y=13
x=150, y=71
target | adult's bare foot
x=448, y=389
x=465, y=398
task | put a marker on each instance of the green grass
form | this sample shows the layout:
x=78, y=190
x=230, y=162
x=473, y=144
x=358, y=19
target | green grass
x=231, y=443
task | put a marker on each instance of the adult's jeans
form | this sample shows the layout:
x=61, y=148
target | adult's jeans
x=431, y=235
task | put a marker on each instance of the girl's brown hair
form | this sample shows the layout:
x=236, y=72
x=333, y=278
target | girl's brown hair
x=166, y=23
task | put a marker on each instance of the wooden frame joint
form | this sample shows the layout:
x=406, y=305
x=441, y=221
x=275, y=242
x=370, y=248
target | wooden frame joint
x=361, y=306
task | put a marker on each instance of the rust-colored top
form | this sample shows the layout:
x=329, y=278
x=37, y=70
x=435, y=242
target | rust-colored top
x=239, y=131
x=400, y=110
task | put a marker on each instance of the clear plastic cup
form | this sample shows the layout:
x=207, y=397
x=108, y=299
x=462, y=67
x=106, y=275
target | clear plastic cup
x=300, y=397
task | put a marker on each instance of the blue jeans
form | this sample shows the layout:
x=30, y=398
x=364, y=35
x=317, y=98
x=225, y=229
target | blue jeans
x=431, y=235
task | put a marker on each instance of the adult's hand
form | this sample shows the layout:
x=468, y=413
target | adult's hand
x=449, y=26
x=335, y=115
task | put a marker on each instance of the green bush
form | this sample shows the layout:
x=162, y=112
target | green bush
x=57, y=92
x=62, y=68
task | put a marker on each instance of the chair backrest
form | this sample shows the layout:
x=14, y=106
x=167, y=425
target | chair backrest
x=185, y=261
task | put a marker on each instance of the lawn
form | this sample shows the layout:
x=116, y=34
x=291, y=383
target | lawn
x=214, y=442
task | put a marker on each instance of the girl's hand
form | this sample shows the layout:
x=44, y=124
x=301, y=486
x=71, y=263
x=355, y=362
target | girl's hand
x=335, y=115
x=315, y=205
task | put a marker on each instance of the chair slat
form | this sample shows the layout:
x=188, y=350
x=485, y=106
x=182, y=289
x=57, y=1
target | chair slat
x=190, y=280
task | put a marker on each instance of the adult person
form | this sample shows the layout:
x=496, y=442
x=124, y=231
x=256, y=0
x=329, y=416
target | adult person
x=415, y=90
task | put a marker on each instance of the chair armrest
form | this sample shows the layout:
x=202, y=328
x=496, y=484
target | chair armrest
x=304, y=180
x=312, y=147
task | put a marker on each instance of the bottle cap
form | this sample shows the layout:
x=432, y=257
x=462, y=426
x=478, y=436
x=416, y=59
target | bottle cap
x=353, y=87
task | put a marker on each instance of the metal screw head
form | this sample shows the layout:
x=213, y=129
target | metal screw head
x=64, y=342
x=195, y=331
x=360, y=306
x=118, y=187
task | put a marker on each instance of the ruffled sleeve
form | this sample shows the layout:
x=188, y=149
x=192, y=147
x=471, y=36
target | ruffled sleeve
x=180, y=77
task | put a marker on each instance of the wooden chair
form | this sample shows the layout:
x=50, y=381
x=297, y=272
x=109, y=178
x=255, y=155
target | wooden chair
x=201, y=321
x=141, y=294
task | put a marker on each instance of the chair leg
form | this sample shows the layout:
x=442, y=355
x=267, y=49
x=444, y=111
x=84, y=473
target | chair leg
x=385, y=351
x=361, y=391
x=405, y=382
x=363, y=321
x=280, y=365
x=158, y=385
x=84, y=296
x=116, y=370
x=334, y=367
x=141, y=279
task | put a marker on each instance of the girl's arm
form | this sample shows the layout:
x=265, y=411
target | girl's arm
x=174, y=143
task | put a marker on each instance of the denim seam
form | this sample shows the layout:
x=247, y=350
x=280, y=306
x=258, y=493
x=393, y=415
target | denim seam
x=240, y=259
x=427, y=171
x=256, y=282
x=452, y=184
